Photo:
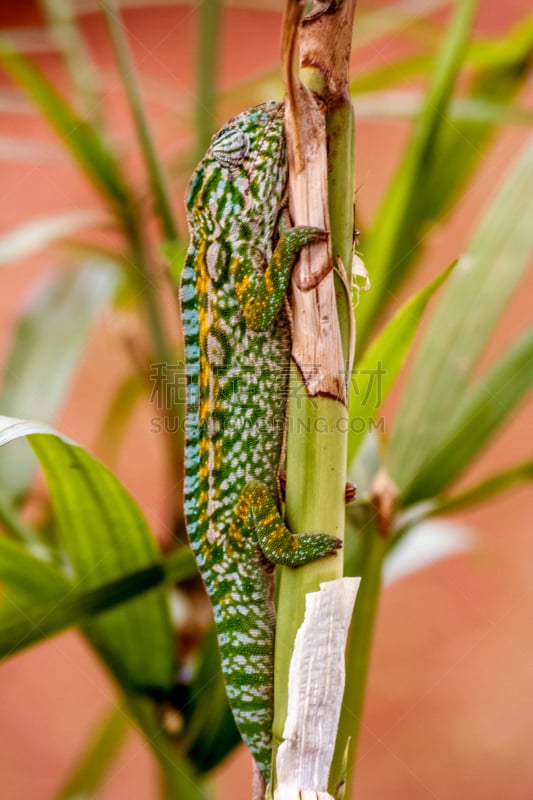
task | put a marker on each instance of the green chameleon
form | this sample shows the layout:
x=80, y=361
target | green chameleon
x=238, y=338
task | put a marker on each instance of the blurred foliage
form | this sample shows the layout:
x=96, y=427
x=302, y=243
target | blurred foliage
x=93, y=554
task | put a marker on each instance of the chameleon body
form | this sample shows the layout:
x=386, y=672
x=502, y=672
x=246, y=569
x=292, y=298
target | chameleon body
x=237, y=339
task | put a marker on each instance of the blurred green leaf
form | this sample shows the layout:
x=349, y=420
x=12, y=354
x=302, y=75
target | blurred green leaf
x=485, y=489
x=379, y=366
x=463, y=142
x=464, y=130
x=403, y=105
x=210, y=731
x=48, y=341
x=33, y=236
x=25, y=625
x=27, y=575
x=448, y=504
x=14, y=525
x=393, y=18
x=65, y=31
x=485, y=55
x=56, y=604
x=462, y=323
x=118, y=415
x=174, y=253
x=384, y=248
x=90, y=771
x=105, y=537
x=83, y=140
x=386, y=75
x=485, y=407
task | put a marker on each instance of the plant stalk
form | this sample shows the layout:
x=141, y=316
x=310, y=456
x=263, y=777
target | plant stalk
x=124, y=59
x=358, y=658
x=207, y=73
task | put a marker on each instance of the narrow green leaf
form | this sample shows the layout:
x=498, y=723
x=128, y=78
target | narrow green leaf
x=37, y=234
x=396, y=211
x=407, y=104
x=83, y=140
x=63, y=27
x=118, y=415
x=377, y=370
x=486, y=406
x=27, y=575
x=463, y=141
x=180, y=565
x=462, y=323
x=60, y=605
x=386, y=75
x=393, y=18
x=48, y=340
x=484, y=490
x=28, y=624
x=105, y=537
x=15, y=526
x=90, y=771
x=503, y=51
x=174, y=253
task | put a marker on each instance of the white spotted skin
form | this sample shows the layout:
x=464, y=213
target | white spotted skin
x=235, y=432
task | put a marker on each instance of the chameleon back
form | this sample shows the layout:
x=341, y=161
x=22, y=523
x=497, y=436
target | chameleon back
x=237, y=391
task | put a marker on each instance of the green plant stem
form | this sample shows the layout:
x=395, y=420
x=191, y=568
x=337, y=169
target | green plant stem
x=127, y=72
x=141, y=265
x=317, y=425
x=207, y=69
x=340, y=130
x=90, y=771
x=314, y=502
x=358, y=657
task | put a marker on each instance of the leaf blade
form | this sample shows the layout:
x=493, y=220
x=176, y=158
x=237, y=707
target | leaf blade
x=484, y=409
x=395, y=214
x=89, y=149
x=48, y=340
x=105, y=536
x=384, y=359
x=464, y=319
x=89, y=772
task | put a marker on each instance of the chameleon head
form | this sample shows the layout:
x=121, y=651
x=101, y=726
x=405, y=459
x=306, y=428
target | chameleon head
x=244, y=167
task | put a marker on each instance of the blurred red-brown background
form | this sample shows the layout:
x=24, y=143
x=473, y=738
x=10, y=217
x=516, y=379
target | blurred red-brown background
x=450, y=700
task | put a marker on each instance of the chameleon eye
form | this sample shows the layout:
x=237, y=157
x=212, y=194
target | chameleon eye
x=230, y=147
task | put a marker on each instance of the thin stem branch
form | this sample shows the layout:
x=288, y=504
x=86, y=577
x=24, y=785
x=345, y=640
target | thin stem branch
x=127, y=71
x=207, y=67
x=358, y=659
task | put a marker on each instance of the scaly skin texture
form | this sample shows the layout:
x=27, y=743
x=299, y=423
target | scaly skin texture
x=237, y=338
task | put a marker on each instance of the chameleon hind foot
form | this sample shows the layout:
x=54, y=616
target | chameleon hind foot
x=257, y=512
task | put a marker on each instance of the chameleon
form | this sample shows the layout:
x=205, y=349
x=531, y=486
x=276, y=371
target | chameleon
x=237, y=334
